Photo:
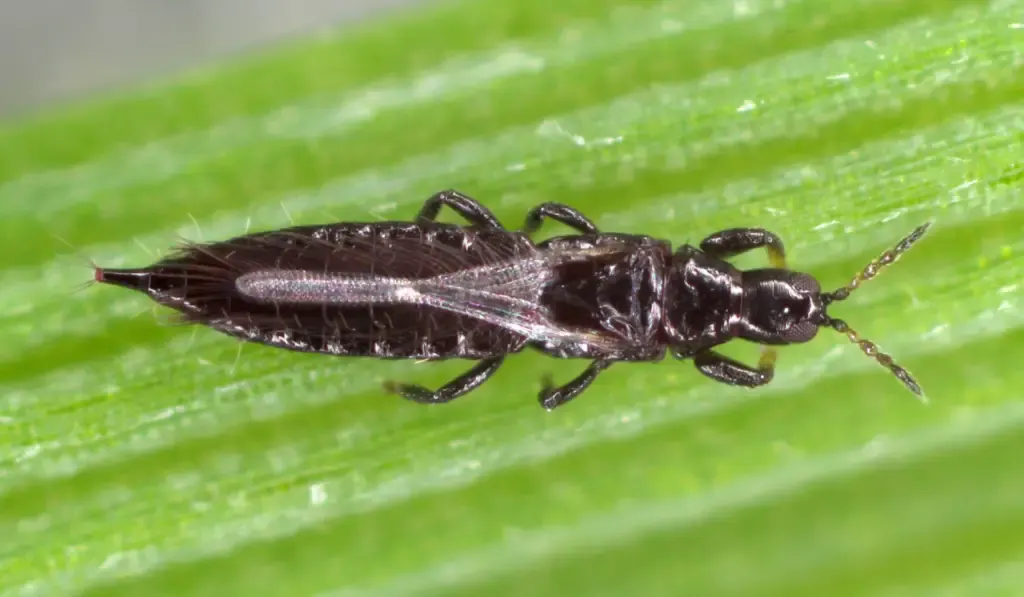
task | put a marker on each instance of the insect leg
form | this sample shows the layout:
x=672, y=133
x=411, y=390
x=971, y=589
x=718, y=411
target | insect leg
x=462, y=384
x=732, y=242
x=465, y=206
x=558, y=212
x=551, y=397
x=726, y=370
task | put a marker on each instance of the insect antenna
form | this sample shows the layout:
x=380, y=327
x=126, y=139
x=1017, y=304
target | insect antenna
x=871, y=349
x=885, y=259
x=870, y=271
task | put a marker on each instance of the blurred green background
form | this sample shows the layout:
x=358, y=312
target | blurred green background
x=138, y=458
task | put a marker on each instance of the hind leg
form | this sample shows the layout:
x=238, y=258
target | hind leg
x=558, y=212
x=459, y=386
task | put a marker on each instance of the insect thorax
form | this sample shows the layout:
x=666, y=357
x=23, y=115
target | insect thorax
x=617, y=296
x=703, y=300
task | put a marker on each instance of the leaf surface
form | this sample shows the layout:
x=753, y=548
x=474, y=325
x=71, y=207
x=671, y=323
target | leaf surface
x=142, y=458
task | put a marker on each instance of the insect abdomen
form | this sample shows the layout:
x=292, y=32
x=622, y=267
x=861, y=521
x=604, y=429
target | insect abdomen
x=323, y=289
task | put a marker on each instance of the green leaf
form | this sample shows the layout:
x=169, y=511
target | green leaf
x=139, y=458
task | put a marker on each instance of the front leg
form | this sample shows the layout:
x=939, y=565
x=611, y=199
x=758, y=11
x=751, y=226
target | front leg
x=467, y=207
x=694, y=346
x=558, y=212
x=551, y=397
x=723, y=245
x=732, y=242
x=723, y=369
x=462, y=384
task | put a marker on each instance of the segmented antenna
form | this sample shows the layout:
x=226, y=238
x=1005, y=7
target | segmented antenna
x=887, y=258
x=870, y=348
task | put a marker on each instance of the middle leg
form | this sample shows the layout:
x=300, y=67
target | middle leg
x=552, y=397
x=558, y=212
x=464, y=205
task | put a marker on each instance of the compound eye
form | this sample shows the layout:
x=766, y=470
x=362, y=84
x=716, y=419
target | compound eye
x=803, y=331
x=805, y=284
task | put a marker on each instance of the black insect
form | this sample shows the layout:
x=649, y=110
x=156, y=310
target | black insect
x=430, y=290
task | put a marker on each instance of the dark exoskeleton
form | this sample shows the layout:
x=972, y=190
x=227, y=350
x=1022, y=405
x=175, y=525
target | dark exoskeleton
x=430, y=290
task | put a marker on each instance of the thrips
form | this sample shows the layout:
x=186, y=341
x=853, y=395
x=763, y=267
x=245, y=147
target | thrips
x=429, y=290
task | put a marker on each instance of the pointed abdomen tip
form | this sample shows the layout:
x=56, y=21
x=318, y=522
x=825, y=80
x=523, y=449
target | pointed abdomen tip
x=134, y=279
